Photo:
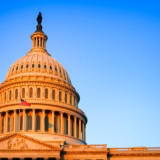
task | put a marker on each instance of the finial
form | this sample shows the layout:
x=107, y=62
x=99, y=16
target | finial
x=39, y=20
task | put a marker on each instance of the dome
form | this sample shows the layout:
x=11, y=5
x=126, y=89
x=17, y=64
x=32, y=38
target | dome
x=38, y=63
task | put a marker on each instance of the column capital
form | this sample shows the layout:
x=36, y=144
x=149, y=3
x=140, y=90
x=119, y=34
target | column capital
x=33, y=109
x=52, y=110
x=75, y=117
x=45, y=158
x=68, y=114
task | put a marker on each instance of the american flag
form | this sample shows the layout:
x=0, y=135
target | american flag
x=24, y=103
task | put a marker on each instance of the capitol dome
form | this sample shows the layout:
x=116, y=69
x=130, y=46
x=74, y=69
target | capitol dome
x=40, y=80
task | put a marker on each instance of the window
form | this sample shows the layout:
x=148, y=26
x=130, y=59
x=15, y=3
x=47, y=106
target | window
x=74, y=101
x=12, y=69
x=23, y=92
x=46, y=93
x=29, y=122
x=16, y=94
x=5, y=96
x=50, y=67
x=38, y=122
x=59, y=70
x=46, y=122
x=21, y=122
x=10, y=95
x=41, y=41
x=60, y=96
x=38, y=93
x=21, y=66
x=37, y=41
x=17, y=68
x=56, y=69
x=27, y=65
x=70, y=99
x=30, y=92
x=53, y=94
x=39, y=66
x=65, y=97
x=8, y=127
x=32, y=65
x=45, y=66
x=34, y=42
x=3, y=125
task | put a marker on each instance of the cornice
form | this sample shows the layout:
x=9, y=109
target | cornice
x=84, y=152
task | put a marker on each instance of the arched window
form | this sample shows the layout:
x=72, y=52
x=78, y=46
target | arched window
x=53, y=94
x=65, y=97
x=37, y=41
x=38, y=93
x=10, y=95
x=30, y=92
x=70, y=99
x=46, y=122
x=29, y=122
x=21, y=122
x=46, y=93
x=23, y=92
x=45, y=66
x=27, y=65
x=38, y=122
x=5, y=96
x=60, y=96
x=16, y=94
x=39, y=66
x=41, y=41
x=74, y=101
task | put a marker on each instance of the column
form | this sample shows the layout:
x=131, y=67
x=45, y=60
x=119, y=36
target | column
x=52, y=121
x=83, y=131
x=79, y=128
x=6, y=128
x=43, y=117
x=14, y=120
x=61, y=122
x=75, y=126
x=69, y=124
x=33, y=120
x=42, y=43
x=0, y=123
x=24, y=120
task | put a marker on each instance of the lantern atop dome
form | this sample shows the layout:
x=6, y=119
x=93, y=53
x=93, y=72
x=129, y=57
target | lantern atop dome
x=38, y=37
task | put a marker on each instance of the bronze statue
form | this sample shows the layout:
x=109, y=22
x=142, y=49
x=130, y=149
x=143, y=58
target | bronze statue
x=39, y=18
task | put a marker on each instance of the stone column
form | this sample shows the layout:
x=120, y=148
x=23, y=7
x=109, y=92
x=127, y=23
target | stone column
x=43, y=117
x=61, y=122
x=6, y=128
x=15, y=121
x=83, y=131
x=79, y=128
x=24, y=120
x=33, y=120
x=69, y=124
x=0, y=123
x=75, y=126
x=52, y=121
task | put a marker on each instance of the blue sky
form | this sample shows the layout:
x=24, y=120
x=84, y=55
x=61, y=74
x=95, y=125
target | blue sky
x=110, y=50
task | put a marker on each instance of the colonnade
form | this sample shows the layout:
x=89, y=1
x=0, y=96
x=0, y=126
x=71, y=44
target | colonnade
x=39, y=41
x=41, y=120
x=45, y=92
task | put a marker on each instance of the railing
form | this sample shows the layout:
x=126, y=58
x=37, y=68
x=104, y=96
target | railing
x=104, y=146
x=134, y=149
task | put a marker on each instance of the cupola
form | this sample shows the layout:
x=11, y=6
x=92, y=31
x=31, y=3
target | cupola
x=38, y=37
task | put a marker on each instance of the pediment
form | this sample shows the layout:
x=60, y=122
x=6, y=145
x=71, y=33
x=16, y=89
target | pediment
x=19, y=141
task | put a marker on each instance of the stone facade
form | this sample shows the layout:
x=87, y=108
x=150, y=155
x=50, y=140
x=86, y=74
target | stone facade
x=53, y=127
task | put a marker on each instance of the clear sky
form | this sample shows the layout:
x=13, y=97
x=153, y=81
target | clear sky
x=110, y=50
